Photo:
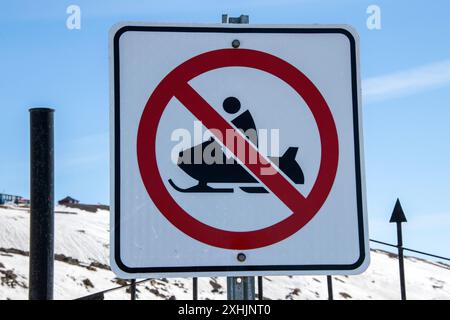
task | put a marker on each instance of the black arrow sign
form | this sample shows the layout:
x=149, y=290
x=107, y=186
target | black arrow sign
x=398, y=217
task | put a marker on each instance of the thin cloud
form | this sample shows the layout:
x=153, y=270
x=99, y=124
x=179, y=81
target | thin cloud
x=407, y=82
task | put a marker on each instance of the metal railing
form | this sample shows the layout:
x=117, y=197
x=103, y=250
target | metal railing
x=410, y=250
x=133, y=283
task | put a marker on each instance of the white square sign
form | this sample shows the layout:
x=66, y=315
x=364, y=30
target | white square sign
x=236, y=150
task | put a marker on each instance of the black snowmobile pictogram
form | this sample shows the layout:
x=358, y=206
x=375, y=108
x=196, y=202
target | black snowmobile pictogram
x=227, y=171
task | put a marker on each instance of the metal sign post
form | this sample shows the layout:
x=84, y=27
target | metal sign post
x=239, y=288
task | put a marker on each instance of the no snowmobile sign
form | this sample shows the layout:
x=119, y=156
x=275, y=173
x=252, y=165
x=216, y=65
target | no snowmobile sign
x=236, y=150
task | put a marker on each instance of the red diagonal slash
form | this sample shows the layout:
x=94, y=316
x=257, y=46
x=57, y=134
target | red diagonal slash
x=210, y=118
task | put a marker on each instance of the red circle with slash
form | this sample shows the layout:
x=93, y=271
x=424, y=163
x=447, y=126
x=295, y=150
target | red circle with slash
x=176, y=84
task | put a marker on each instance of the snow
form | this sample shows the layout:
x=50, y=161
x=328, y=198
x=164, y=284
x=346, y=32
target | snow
x=84, y=236
x=78, y=234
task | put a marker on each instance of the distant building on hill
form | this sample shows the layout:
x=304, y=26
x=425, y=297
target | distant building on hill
x=23, y=201
x=9, y=198
x=68, y=200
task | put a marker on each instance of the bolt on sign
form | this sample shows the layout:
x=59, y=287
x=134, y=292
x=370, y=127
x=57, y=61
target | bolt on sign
x=236, y=150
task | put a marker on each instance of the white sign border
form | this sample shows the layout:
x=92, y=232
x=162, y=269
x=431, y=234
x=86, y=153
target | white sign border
x=124, y=271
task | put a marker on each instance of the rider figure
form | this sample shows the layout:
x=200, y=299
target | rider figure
x=244, y=121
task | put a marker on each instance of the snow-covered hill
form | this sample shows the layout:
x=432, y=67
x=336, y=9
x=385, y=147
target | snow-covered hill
x=82, y=250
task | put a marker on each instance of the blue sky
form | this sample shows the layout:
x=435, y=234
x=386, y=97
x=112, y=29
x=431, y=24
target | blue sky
x=405, y=69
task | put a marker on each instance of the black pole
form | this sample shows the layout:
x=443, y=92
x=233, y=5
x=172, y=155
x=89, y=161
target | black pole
x=194, y=288
x=42, y=217
x=260, y=288
x=401, y=260
x=330, y=287
x=133, y=289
